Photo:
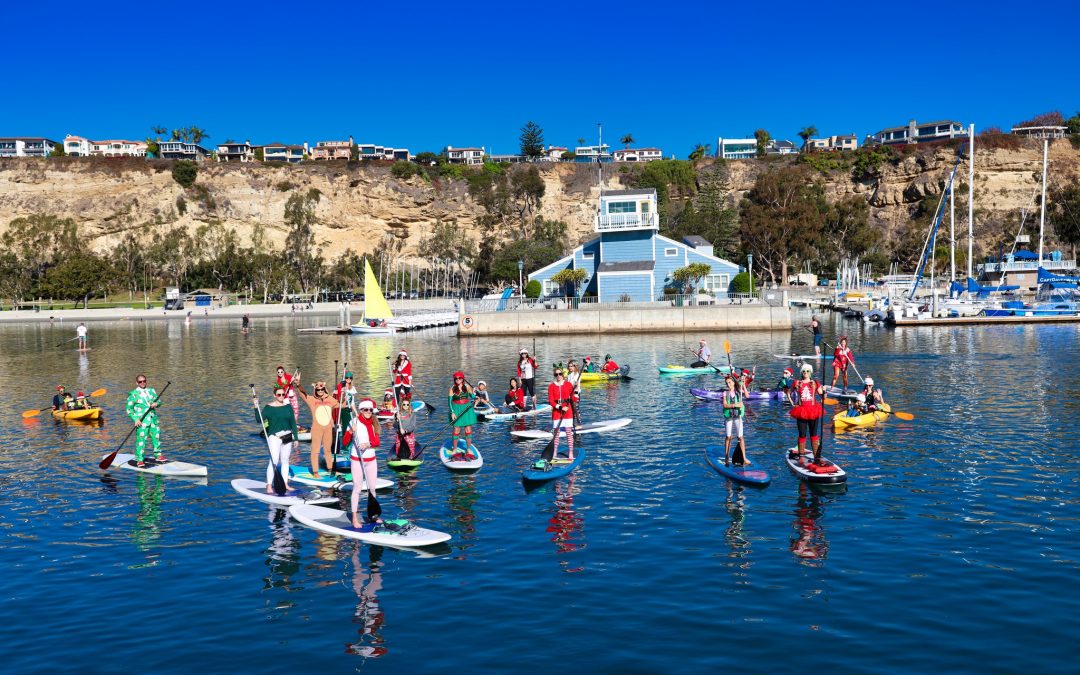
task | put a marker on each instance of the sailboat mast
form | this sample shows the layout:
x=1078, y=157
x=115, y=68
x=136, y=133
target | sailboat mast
x=971, y=195
x=1042, y=205
x=952, y=235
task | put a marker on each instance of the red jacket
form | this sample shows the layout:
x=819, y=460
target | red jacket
x=559, y=396
x=403, y=374
x=842, y=357
x=610, y=367
x=517, y=397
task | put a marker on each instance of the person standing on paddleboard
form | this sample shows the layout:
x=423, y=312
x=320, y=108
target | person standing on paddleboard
x=815, y=328
x=402, y=371
x=526, y=371
x=322, y=406
x=245, y=324
x=842, y=358
x=142, y=401
x=734, y=410
x=281, y=431
x=365, y=438
x=347, y=395
x=405, y=440
x=284, y=380
x=704, y=355
x=573, y=376
x=560, y=397
x=462, y=415
x=808, y=411
x=514, y=401
x=80, y=333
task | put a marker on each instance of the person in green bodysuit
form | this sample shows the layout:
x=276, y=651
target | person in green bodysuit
x=142, y=400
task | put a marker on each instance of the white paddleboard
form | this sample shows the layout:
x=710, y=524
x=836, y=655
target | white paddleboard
x=545, y=408
x=167, y=468
x=446, y=456
x=294, y=495
x=338, y=522
x=338, y=481
x=304, y=436
x=806, y=471
x=590, y=428
x=837, y=392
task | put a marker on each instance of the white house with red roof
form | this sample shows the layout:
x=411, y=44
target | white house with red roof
x=77, y=146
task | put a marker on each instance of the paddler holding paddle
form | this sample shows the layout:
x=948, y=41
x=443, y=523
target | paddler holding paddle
x=365, y=470
x=141, y=407
x=281, y=431
x=560, y=397
x=322, y=406
x=704, y=355
x=734, y=410
x=808, y=412
x=842, y=358
x=59, y=402
x=460, y=398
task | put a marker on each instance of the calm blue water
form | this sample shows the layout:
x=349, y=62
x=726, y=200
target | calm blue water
x=954, y=547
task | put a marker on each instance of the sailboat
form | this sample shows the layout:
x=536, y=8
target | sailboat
x=377, y=314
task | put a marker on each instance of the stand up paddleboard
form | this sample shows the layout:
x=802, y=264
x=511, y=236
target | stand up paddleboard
x=166, y=468
x=590, y=428
x=257, y=490
x=560, y=466
x=455, y=459
x=749, y=473
x=545, y=408
x=837, y=392
x=333, y=521
x=340, y=481
x=823, y=474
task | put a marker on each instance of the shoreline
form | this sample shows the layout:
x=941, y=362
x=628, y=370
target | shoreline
x=234, y=312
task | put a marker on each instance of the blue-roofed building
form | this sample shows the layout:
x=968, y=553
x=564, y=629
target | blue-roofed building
x=630, y=259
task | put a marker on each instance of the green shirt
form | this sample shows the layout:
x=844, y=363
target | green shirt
x=278, y=418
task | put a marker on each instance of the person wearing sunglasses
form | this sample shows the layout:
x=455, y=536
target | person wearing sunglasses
x=347, y=396
x=143, y=401
x=322, y=406
x=365, y=438
x=280, y=425
x=462, y=415
x=284, y=380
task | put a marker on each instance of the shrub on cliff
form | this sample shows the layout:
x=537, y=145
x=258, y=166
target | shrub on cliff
x=185, y=172
x=404, y=170
x=869, y=160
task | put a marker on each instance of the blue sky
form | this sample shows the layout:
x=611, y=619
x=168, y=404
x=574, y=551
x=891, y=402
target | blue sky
x=425, y=75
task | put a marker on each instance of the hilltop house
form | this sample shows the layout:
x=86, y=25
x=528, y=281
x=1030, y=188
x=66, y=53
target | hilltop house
x=182, y=150
x=332, y=149
x=26, y=147
x=372, y=151
x=279, y=152
x=736, y=148
x=920, y=133
x=77, y=146
x=584, y=154
x=837, y=143
x=464, y=155
x=775, y=147
x=236, y=152
x=638, y=154
x=629, y=258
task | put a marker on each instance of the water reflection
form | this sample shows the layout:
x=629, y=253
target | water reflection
x=283, y=559
x=809, y=543
x=462, y=498
x=366, y=583
x=146, y=530
x=735, y=503
x=567, y=526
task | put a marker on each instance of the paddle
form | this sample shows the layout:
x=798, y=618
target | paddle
x=107, y=462
x=278, y=482
x=902, y=415
x=65, y=342
x=94, y=394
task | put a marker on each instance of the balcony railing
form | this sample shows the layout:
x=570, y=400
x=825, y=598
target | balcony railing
x=1027, y=265
x=627, y=221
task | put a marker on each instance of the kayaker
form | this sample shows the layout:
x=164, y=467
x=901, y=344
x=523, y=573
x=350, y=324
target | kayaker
x=734, y=409
x=526, y=370
x=514, y=401
x=589, y=366
x=808, y=411
x=573, y=376
x=81, y=403
x=406, y=430
x=80, y=332
x=842, y=358
x=58, y=402
x=704, y=355
x=322, y=406
x=874, y=398
x=746, y=378
x=346, y=393
x=609, y=365
x=785, y=383
x=462, y=416
x=858, y=406
x=281, y=431
x=142, y=401
x=284, y=380
x=402, y=370
x=815, y=328
x=365, y=438
x=482, y=398
x=560, y=397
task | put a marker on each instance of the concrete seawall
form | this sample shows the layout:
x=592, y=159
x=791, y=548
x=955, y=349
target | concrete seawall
x=630, y=320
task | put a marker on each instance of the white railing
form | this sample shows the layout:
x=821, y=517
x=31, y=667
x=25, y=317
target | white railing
x=626, y=221
x=1027, y=265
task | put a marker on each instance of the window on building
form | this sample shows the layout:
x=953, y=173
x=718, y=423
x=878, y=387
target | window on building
x=551, y=288
x=621, y=207
x=671, y=252
x=644, y=207
x=715, y=283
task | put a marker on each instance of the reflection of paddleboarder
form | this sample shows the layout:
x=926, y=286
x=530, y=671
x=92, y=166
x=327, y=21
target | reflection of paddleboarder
x=369, y=614
x=809, y=544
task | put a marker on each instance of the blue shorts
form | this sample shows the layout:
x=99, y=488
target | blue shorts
x=817, y=339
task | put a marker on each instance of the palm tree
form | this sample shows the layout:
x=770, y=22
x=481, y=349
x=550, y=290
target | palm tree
x=627, y=140
x=197, y=134
x=806, y=134
x=580, y=142
x=159, y=130
x=700, y=150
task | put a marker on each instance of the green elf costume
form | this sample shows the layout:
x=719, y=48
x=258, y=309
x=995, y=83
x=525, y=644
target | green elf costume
x=138, y=403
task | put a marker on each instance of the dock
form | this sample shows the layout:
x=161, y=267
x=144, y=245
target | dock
x=977, y=320
x=402, y=324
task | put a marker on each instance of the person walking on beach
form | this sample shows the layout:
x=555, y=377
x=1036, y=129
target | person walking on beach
x=462, y=415
x=734, y=410
x=80, y=333
x=560, y=397
x=143, y=401
x=704, y=355
x=808, y=411
x=815, y=328
x=842, y=358
x=526, y=371
x=280, y=425
x=322, y=406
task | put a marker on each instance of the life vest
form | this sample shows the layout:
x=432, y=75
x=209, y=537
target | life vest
x=732, y=397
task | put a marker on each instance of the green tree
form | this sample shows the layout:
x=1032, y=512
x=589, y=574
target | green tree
x=580, y=142
x=185, y=172
x=259, y=154
x=1063, y=210
x=700, y=150
x=740, y=283
x=58, y=151
x=572, y=277
x=806, y=134
x=301, y=255
x=404, y=170
x=533, y=289
x=79, y=277
x=782, y=218
x=41, y=241
x=532, y=140
x=426, y=158
x=691, y=275
x=847, y=232
x=763, y=139
x=546, y=245
x=627, y=140
x=527, y=187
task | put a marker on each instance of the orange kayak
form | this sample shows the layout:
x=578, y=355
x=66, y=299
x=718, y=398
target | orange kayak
x=85, y=414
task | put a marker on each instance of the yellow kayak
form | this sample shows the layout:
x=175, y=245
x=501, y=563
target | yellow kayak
x=599, y=377
x=844, y=421
x=84, y=414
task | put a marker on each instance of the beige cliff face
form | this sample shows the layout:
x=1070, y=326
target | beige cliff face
x=362, y=204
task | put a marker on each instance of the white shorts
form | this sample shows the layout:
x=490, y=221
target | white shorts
x=561, y=425
x=734, y=427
